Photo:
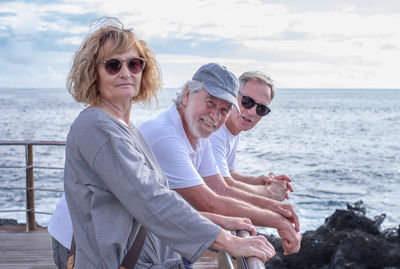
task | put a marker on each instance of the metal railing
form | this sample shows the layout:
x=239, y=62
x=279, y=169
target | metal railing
x=224, y=259
x=29, y=188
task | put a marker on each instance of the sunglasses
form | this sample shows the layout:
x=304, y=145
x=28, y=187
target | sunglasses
x=135, y=65
x=248, y=102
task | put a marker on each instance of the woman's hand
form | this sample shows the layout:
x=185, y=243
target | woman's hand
x=254, y=246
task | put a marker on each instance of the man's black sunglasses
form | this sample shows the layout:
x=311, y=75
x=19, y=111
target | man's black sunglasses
x=248, y=102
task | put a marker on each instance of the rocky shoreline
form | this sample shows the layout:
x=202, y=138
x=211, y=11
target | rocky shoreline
x=10, y=222
x=347, y=240
x=12, y=225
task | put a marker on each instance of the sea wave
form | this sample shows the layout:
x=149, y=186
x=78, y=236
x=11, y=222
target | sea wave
x=337, y=146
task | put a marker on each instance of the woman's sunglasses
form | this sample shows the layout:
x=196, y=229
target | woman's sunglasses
x=135, y=65
x=248, y=102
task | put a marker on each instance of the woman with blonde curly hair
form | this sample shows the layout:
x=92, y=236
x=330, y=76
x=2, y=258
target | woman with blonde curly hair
x=113, y=183
x=83, y=78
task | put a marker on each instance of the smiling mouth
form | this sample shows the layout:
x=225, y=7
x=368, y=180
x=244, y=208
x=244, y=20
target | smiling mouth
x=209, y=124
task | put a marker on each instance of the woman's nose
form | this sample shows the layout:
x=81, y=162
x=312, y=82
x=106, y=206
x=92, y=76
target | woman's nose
x=124, y=72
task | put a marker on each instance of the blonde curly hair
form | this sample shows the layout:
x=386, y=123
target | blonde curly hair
x=83, y=78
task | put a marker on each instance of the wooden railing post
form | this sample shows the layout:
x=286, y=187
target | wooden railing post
x=29, y=182
x=30, y=193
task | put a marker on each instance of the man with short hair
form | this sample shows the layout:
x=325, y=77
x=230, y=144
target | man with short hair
x=256, y=91
x=179, y=140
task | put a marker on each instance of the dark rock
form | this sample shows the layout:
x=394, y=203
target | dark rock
x=392, y=234
x=343, y=220
x=357, y=206
x=379, y=219
x=347, y=240
x=10, y=222
x=13, y=222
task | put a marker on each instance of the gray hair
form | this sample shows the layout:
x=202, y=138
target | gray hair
x=193, y=85
x=257, y=76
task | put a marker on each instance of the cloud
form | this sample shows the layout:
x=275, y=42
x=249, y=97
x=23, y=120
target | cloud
x=389, y=47
x=302, y=43
x=8, y=14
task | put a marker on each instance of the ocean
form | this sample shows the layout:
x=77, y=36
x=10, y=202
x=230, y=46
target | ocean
x=338, y=146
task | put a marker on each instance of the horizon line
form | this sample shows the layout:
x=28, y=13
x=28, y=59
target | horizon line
x=283, y=88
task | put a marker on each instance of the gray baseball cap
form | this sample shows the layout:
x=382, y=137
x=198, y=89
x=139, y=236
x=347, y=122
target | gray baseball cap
x=219, y=82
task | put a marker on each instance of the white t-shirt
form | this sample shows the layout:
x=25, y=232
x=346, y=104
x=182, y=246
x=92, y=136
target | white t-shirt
x=60, y=225
x=183, y=166
x=224, y=145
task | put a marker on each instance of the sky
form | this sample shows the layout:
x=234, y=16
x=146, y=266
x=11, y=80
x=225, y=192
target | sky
x=299, y=43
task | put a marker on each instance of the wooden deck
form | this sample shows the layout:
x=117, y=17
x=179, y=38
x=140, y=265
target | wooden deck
x=22, y=250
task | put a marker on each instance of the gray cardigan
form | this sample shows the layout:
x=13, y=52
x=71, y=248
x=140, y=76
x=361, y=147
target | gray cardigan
x=113, y=184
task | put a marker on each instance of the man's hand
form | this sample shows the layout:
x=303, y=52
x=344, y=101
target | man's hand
x=291, y=241
x=276, y=190
x=277, y=187
x=236, y=224
x=285, y=181
x=231, y=223
x=287, y=211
